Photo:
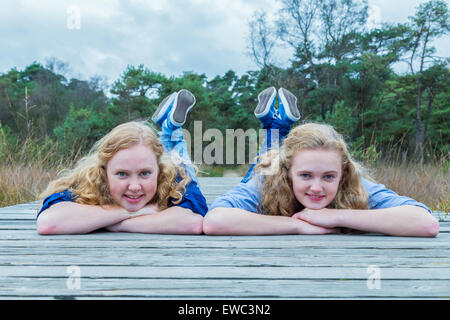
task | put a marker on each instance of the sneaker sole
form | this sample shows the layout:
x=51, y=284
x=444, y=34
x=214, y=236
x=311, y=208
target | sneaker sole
x=163, y=106
x=288, y=98
x=265, y=100
x=183, y=103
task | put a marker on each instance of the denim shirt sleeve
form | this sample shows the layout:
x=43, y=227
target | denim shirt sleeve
x=193, y=199
x=244, y=196
x=65, y=195
x=381, y=198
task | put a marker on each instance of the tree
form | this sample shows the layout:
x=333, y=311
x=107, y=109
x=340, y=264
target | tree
x=262, y=39
x=132, y=92
x=430, y=22
x=324, y=35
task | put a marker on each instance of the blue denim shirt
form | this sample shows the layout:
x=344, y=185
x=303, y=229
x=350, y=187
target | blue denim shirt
x=193, y=199
x=246, y=196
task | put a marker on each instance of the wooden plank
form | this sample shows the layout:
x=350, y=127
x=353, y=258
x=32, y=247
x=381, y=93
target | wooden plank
x=54, y=253
x=223, y=272
x=301, y=241
x=287, y=240
x=229, y=289
x=214, y=258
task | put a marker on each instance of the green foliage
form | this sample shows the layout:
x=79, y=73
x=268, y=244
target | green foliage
x=6, y=139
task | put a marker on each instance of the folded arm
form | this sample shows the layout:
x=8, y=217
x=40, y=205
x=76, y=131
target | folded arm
x=234, y=221
x=173, y=220
x=73, y=218
x=412, y=221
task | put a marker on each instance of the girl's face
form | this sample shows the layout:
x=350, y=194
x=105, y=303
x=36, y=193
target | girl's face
x=133, y=177
x=315, y=177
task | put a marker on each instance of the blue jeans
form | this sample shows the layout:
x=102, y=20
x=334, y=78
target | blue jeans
x=174, y=145
x=276, y=133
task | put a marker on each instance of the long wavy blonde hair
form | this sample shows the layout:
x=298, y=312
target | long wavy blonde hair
x=87, y=181
x=276, y=189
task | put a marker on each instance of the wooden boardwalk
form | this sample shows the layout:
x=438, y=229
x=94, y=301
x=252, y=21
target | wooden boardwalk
x=105, y=265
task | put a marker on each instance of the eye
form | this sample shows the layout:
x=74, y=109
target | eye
x=329, y=177
x=146, y=173
x=304, y=175
x=121, y=174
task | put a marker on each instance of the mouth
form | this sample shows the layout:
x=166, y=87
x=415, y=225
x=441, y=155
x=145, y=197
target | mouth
x=133, y=198
x=315, y=197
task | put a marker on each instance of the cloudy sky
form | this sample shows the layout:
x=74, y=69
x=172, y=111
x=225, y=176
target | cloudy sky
x=102, y=37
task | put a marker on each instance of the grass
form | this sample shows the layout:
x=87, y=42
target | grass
x=428, y=183
x=27, y=167
x=22, y=182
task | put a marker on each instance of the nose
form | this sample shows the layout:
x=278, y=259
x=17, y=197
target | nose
x=134, y=185
x=316, y=186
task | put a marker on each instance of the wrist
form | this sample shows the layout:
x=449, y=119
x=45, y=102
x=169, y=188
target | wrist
x=300, y=226
x=122, y=213
x=340, y=217
x=345, y=217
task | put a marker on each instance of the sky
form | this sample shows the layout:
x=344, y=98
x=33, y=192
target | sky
x=102, y=37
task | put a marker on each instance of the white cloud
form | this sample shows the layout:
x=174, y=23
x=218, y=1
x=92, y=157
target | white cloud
x=168, y=36
x=374, y=19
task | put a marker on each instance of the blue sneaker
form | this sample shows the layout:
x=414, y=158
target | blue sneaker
x=287, y=107
x=163, y=109
x=184, y=101
x=266, y=106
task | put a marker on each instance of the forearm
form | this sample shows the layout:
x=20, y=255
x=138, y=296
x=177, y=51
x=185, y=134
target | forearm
x=234, y=221
x=396, y=221
x=74, y=218
x=174, y=220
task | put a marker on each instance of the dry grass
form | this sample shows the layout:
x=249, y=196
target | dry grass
x=428, y=183
x=22, y=182
x=26, y=168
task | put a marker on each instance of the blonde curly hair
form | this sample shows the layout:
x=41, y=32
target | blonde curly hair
x=276, y=189
x=88, y=180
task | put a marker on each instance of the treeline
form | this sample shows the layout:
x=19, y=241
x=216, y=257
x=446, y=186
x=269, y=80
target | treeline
x=342, y=73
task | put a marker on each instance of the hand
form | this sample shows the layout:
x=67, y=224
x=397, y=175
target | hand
x=308, y=228
x=114, y=227
x=148, y=209
x=326, y=218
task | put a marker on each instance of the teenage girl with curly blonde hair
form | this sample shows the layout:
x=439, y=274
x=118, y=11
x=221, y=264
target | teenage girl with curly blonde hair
x=129, y=181
x=310, y=185
x=278, y=195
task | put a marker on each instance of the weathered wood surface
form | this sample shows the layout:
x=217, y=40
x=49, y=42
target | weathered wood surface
x=140, y=266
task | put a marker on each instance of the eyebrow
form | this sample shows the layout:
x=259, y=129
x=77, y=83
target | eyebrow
x=309, y=171
x=128, y=170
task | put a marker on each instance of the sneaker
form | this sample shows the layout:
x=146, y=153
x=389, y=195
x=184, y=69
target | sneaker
x=163, y=109
x=266, y=106
x=287, y=107
x=184, y=101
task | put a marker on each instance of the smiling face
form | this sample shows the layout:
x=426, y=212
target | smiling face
x=315, y=176
x=132, y=176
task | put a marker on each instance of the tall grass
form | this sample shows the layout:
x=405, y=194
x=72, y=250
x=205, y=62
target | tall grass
x=26, y=168
x=425, y=181
x=428, y=183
